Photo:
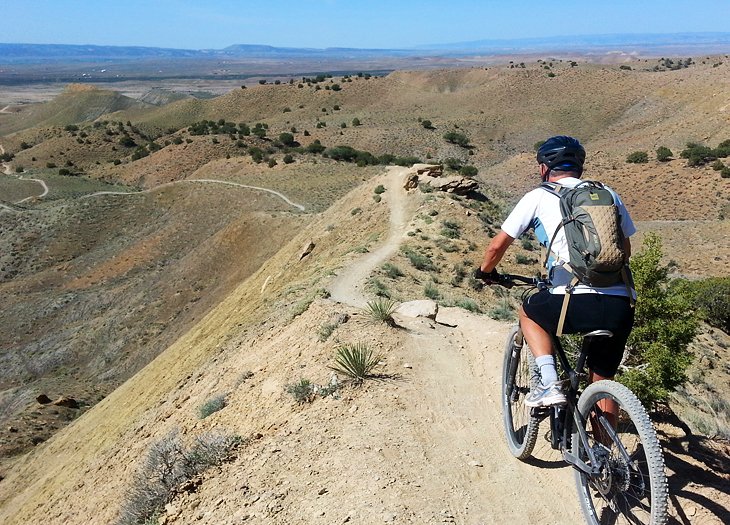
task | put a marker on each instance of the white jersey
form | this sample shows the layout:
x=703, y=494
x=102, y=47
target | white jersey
x=539, y=210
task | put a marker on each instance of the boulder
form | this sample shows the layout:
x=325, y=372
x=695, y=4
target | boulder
x=306, y=249
x=449, y=316
x=432, y=170
x=454, y=184
x=67, y=402
x=411, y=182
x=43, y=399
x=420, y=308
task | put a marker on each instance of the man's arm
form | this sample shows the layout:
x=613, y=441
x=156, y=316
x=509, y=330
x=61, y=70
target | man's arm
x=495, y=251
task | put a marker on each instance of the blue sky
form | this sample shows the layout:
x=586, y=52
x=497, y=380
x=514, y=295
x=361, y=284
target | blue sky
x=214, y=24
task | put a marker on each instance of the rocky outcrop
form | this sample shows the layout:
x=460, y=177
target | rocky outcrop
x=453, y=184
x=432, y=174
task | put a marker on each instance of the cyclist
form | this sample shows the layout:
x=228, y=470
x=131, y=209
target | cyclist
x=561, y=159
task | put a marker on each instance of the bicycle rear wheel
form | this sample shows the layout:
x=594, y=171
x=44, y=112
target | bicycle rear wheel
x=632, y=486
x=519, y=375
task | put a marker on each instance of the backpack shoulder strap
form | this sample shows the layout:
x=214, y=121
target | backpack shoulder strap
x=553, y=187
x=559, y=191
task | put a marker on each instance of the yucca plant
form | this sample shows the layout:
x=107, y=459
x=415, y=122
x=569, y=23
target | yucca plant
x=381, y=310
x=356, y=361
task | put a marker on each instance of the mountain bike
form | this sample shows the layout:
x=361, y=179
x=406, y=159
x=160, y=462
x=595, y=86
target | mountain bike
x=618, y=462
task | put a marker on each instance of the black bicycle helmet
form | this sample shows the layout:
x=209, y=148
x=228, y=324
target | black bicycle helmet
x=562, y=153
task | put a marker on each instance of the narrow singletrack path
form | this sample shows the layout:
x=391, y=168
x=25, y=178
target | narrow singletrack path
x=454, y=417
x=8, y=171
x=348, y=287
x=210, y=181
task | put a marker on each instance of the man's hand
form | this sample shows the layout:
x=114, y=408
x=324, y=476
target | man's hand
x=488, y=278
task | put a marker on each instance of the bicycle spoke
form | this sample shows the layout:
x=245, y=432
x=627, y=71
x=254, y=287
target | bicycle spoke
x=628, y=459
x=517, y=377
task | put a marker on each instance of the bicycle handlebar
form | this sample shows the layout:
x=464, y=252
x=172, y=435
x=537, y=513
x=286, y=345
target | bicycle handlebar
x=508, y=280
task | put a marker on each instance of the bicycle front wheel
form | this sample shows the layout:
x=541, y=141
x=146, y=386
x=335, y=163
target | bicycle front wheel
x=519, y=375
x=632, y=485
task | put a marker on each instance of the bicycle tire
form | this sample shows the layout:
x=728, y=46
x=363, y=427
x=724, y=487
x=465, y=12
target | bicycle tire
x=634, y=491
x=519, y=425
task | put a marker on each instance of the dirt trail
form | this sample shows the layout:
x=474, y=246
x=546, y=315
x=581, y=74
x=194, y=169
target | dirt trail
x=212, y=181
x=8, y=171
x=456, y=439
x=348, y=286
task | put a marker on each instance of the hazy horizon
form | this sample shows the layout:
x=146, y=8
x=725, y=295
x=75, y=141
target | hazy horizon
x=319, y=24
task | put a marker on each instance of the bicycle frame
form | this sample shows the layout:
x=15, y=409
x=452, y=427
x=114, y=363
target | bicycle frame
x=561, y=422
x=564, y=419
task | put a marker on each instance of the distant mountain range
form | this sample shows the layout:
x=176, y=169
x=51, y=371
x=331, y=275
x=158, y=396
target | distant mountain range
x=12, y=53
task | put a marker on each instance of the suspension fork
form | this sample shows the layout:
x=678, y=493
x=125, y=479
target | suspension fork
x=517, y=344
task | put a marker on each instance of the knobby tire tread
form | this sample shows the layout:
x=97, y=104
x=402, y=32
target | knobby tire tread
x=519, y=449
x=652, y=449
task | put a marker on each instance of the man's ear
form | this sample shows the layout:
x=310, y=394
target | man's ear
x=544, y=170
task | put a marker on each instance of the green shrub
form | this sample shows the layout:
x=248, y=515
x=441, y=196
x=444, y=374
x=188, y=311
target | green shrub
x=50, y=165
x=356, y=361
x=167, y=466
x=127, y=142
x=392, y=271
x=325, y=331
x=356, y=122
x=725, y=172
x=451, y=229
x=468, y=304
x=379, y=189
x=504, y=311
x=287, y=139
x=468, y=171
x=303, y=391
x=427, y=124
x=663, y=154
x=431, y=291
x=524, y=259
x=711, y=299
x=212, y=405
x=419, y=261
x=718, y=165
x=638, y=157
x=657, y=356
x=425, y=188
x=446, y=245
x=288, y=159
x=526, y=244
x=459, y=139
x=380, y=289
x=697, y=154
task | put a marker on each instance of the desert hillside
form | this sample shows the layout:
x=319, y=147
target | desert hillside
x=178, y=266
x=423, y=444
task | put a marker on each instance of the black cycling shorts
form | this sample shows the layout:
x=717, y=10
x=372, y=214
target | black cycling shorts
x=587, y=312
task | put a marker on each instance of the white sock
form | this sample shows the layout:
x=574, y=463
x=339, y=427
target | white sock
x=548, y=373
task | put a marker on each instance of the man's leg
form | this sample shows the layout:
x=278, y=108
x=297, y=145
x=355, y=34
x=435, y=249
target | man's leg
x=609, y=407
x=541, y=346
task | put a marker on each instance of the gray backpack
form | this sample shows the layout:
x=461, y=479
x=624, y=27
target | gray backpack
x=595, y=239
x=592, y=226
